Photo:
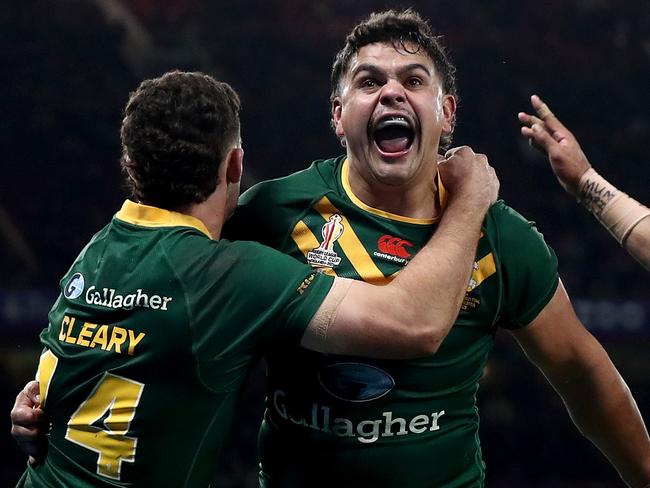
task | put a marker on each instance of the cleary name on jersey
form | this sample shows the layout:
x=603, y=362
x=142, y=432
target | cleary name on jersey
x=352, y=422
x=155, y=329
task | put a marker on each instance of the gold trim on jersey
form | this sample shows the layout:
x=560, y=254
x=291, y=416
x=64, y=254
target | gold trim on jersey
x=359, y=257
x=345, y=181
x=483, y=269
x=351, y=245
x=148, y=216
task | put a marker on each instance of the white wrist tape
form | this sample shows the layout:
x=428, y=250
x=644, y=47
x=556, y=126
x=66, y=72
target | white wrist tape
x=617, y=211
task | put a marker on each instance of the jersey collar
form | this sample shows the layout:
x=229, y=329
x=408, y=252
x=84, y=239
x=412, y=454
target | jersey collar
x=148, y=216
x=345, y=181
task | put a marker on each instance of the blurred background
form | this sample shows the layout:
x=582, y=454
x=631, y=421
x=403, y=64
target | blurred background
x=69, y=65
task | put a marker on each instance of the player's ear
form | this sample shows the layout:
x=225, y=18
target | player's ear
x=448, y=113
x=337, y=110
x=234, y=165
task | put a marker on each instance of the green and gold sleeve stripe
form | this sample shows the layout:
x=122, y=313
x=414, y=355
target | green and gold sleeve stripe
x=485, y=268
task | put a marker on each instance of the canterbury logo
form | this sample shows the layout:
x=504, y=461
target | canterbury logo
x=394, y=245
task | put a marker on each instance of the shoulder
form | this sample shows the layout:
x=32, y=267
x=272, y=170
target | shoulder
x=319, y=176
x=241, y=270
x=511, y=229
x=529, y=267
x=187, y=249
x=253, y=259
x=267, y=211
x=504, y=216
x=198, y=262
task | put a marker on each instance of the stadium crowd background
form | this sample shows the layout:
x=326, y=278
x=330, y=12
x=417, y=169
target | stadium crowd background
x=68, y=66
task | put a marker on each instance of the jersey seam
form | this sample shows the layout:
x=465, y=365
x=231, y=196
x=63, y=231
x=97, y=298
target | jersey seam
x=496, y=253
x=189, y=314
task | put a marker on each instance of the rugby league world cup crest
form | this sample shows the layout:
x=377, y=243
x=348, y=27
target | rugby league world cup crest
x=324, y=255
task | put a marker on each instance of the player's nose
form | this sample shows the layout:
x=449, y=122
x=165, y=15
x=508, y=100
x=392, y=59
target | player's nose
x=392, y=92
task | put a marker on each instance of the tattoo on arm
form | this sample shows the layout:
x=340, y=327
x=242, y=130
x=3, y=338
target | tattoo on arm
x=596, y=196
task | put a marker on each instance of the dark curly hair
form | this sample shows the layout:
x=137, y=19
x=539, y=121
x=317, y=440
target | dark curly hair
x=176, y=131
x=399, y=28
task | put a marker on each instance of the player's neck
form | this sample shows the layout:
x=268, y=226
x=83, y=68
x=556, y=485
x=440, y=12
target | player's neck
x=211, y=212
x=416, y=199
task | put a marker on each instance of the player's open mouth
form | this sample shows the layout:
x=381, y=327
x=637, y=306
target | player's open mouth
x=393, y=136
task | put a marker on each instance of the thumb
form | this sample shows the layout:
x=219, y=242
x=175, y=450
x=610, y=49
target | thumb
x=32, y=391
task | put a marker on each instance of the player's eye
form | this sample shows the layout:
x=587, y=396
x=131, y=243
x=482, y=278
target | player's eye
x=369, y=83
x=414, y=81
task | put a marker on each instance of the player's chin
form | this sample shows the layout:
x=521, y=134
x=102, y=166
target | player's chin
x=394, y=172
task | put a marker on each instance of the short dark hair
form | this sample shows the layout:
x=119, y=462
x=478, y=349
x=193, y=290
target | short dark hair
x=176, y=131
x=398, y=28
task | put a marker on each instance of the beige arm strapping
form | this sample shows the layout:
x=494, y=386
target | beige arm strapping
x=616, y=210
x=315, y=336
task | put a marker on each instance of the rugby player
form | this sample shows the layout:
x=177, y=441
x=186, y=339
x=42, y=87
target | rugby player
x=625, y=218
x=159, y=321
x=334, y=421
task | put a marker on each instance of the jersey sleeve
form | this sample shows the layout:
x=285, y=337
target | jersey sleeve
x=528, y=265
x=242, y=298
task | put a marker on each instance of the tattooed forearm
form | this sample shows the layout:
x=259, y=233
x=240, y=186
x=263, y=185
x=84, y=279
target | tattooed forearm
x=594, y=195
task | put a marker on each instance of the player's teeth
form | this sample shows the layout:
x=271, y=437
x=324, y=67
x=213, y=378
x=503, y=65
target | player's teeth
x=393, y=122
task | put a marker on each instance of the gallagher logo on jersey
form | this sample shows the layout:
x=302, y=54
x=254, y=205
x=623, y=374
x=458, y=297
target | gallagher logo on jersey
x=324, y=255
x=75, y=286
x=393, y=249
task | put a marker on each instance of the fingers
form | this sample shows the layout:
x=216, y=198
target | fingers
x=460, y=150
x=30, y=435
x=464, y=153
x=545, y=114
x=29, y=423
x=546, y=121
x=29, y=430
x=545, y=132
x=468, y=176
x=27, y=417
x=540, y=107
x=539, y=137
x=29, y=397
x=495, y=184
x=529, y=120
x=536, y=128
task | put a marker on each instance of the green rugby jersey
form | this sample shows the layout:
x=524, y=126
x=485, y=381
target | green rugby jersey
x=337, y=421
x=153, y=334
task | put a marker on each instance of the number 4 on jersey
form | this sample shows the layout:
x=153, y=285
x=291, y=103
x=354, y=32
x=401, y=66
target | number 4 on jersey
x=115, y=399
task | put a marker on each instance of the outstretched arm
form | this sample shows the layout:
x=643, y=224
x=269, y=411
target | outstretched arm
x=596, y=397
x=413, y=314
x=623, y=216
